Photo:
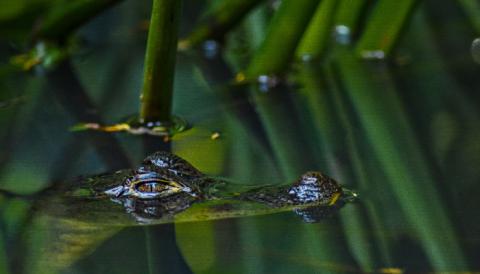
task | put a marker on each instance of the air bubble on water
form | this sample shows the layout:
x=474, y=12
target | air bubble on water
x=475, y=49
x=373, y=54
x=210, y=49
x=342, y=34
x=265, y=82
x=307, y=58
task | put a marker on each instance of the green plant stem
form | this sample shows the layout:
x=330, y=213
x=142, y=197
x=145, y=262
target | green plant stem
x=451, y=116
x=289, y=143
x=387, y=128
x=383, y=28
x=159, y=71
x=348, y=14
x=472, y=9
x=368, y=179
x=272, y=110
x=283, y=35
x=326, y=127
x=219, y=20
x=317, y=36
x=64, y=19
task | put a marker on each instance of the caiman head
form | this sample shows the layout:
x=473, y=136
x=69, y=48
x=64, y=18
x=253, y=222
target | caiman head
x=159, y=176
x=162, y=186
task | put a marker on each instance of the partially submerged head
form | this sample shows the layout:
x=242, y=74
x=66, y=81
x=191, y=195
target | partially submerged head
x=323, y=193
x=165, y=184
x=314, y=187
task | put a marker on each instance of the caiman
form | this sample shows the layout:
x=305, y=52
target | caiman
x=165, y=185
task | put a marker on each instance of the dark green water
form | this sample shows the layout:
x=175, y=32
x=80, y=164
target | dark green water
x=404, y=134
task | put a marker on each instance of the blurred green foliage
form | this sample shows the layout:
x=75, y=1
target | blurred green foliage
x=402, y=131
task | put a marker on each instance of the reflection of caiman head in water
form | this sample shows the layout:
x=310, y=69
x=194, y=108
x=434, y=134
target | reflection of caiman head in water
x=165, y=184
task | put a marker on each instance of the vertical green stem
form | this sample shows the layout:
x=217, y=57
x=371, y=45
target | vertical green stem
x=365, y=172
x=471, y=8
x=387, y=128
x=286, y=137
x=160, y=58
x=284, y=33
x=315, y=97
x=348, y=14
x=383, y=28
x=317, y=36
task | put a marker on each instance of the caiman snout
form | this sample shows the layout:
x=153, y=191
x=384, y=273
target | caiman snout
x=314, y=186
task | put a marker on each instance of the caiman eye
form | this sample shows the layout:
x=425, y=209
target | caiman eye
x=151, y=187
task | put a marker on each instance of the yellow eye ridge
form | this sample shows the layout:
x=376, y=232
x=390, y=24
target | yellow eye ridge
x=335, y=198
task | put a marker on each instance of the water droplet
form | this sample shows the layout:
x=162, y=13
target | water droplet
x=342, y=34
x=475, y=49
x=265, y=82
x=210, y=49
x=41, y=49
x=373, y=54
x=307, y=58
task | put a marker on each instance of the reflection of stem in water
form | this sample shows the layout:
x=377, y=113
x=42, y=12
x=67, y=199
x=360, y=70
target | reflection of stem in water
x=218, y=21
x=451, y=40
x=289, y=146
x=17, y=120
x=162, y=250
x=383, y=28
x=245, y=162
x=318, y=35
x=157, y=91
x=387, y=128
x=7, y=138
x=69, y=92
x=285, y=136
x=326, y=128
x=163, y=253
x=452, y=134
x=235, y=97
x=245, y=121
x=366, y=174
x=121, y=67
